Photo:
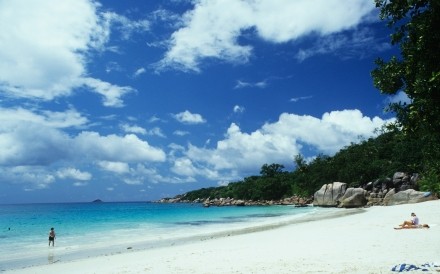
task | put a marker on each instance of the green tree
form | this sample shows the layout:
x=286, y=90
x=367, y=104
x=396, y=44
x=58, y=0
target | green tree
x=271, y=170
x=416, y=72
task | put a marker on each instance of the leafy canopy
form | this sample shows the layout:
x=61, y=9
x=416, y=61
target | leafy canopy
x=417, y=73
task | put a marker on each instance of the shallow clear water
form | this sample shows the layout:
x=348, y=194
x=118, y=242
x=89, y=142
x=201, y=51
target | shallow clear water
x=91, y=229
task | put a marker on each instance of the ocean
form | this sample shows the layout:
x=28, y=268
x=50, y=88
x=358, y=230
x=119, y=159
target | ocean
x=96, y=229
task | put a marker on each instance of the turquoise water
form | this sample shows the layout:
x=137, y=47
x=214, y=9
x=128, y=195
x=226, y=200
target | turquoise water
x=93, y=229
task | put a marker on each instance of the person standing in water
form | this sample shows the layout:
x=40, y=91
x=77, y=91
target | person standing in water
x=52, y=236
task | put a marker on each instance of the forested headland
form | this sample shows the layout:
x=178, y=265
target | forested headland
x=355, y=165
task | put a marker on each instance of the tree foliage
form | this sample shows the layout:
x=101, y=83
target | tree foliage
x=416, y=72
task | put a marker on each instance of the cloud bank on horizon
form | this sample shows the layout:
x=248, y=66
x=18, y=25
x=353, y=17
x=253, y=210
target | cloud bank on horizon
x=76, y=78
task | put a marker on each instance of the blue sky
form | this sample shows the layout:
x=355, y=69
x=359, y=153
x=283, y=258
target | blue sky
x=139, y=100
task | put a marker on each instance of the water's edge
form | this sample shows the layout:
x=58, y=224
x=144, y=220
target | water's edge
x=137, y=246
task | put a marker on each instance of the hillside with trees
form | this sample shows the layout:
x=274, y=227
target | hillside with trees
x=410, y=145
x=355, y=165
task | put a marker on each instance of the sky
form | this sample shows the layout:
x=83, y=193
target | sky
x=140, y=100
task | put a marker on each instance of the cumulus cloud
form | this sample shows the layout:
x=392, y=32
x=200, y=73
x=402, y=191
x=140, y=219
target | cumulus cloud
x=33, y=177
x=211, y=31
x=45, y=57
x=240, y=152
x=186, y=167
x=116, y=167
x=53, y=119
x=36, y=141
x=155, y=131
x=133, y=129
x=128, y=148
x=73, y=173
x=187, y=117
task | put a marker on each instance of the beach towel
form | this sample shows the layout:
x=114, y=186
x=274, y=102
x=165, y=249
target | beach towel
x=426, y=267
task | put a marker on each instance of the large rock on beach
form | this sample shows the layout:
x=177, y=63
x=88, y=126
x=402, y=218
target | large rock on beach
x=329, y=194
x=353, y=197
x=409, y=196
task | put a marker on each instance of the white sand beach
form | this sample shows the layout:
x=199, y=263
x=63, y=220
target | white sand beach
x=356, y=243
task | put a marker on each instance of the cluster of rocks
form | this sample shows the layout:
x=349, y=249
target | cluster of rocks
x=294, y=200
x=401, y=189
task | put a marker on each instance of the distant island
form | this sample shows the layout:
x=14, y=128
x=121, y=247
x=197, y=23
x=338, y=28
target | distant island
x=97, y=201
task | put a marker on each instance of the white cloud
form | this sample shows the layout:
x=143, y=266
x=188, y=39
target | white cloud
x=277, y=142
x=184, y=166
x=33, y=143
x=296, y=99
x=128, y=148
x=142, y=173
x=238, y=109
x=211, y=31
x=133, y=129
x=42, y=56
x=112, y=94
x=27, y=143
x=69, y=118
x=80, y=184
x=180, y=133
x=45, y=47
x=154, y=119
x=130, y=181
x=155, y=131
x=333, y=131
x=112, y=66
x=33, y=177
x=242, y=84
x=187, y=117
x=139, y=71
x=116, y=167
x=359, y=44
x=125, y=25
x=73, y=173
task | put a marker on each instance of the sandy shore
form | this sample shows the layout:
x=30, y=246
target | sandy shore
x=356, y=243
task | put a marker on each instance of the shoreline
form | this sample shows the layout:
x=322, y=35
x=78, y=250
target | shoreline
x=361, y=243
x=99, y=249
